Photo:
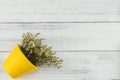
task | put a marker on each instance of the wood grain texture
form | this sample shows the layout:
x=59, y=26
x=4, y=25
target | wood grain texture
x=86, y=33
x=65, y=36
x=59, y=11
x=76, y=66
x=90, y=50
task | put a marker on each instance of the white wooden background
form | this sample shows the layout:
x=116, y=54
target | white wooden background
x=85, y=33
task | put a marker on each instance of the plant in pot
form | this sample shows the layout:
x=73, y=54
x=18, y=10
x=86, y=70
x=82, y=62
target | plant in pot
x=29, y=55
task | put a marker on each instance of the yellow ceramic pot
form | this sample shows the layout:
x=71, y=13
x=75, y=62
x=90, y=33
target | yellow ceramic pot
x=17, y=64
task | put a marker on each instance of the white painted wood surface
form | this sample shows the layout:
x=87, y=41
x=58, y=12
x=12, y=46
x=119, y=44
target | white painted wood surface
x=90, y=50
x=65, y=36
x=77, y=66
x=59, y=10
x=86, y=33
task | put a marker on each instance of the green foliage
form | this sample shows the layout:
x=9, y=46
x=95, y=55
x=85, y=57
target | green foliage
x=38, y=53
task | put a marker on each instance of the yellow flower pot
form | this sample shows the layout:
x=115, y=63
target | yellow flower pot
x=17, y=64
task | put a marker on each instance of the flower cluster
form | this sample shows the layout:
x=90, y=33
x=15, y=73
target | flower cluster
x=38, y=53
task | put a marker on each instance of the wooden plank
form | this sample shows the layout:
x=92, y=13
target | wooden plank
x=59, y=11
x=76, y=66
x=65, y=36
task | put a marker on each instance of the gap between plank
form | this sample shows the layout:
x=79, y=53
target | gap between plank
x=59, y=22
x=82, y=51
